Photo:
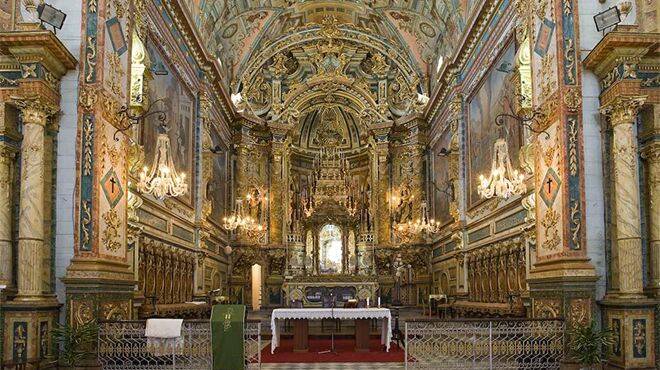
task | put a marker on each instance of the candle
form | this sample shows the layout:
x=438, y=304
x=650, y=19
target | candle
x=378, y=302
x=367, y=302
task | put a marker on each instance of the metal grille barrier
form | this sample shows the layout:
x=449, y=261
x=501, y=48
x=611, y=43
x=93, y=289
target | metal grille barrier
x=122, y=345
x=483, y=344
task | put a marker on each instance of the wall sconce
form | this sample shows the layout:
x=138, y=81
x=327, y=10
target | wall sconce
x=128, y=119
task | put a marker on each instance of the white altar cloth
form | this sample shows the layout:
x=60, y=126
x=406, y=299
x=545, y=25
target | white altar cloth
x=330, y=313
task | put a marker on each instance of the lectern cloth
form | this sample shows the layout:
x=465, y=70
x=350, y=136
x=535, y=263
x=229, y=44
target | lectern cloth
x=227, y=322
x=330, y=313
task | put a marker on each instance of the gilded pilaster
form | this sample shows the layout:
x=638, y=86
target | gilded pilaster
x=380, y=163
x=279, y=185
x=627, y=249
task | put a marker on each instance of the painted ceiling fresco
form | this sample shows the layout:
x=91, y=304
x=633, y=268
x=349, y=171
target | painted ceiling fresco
x=428, y=30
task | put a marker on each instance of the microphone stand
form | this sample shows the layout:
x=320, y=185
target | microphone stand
x=332, y=334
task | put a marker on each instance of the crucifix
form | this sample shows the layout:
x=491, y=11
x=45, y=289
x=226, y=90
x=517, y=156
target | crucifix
x=112, y=184
x=549, y=182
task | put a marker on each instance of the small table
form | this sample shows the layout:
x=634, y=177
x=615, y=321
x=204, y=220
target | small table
x=301, y=316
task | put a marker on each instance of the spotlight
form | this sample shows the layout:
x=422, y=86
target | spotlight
x=609, y=18
x=51, y=15
x=444, y=152
x=159, y=69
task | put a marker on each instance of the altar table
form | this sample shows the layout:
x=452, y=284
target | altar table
x=331, y=313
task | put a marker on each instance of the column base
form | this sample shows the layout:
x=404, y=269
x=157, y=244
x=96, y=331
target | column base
x=27, y=330
x=632, y=322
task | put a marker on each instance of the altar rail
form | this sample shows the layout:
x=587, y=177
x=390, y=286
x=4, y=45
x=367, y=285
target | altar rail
x=122, y=346
x=484, y=344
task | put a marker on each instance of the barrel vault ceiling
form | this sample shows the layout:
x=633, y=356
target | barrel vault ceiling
x=425, y=31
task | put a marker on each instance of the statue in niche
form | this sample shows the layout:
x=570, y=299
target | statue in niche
x=365, y=211
x=294, y=204
x=255, y=202
x=329, y=132
x=404, y=207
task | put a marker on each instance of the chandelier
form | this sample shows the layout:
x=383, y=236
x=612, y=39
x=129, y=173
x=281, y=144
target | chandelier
x=163, y=180
x=423, y=226
x=503, y=181
x=241, y=220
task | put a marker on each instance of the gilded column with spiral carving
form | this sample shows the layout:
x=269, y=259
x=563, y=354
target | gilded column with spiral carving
x=627, y=249
x=34, y=115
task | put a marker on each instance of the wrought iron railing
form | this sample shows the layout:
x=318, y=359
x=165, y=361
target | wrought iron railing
x=484, y=344
x=122, y=345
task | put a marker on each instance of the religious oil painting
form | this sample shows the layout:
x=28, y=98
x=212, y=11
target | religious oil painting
x=330, y=250
x=442, y=188
x=178, y=104
x=496, y=95
x=216, y=189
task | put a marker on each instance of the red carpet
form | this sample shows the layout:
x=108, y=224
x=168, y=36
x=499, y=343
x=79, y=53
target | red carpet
x=345, y=352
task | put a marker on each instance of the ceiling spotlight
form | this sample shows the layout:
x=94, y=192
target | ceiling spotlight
x=443, y=152
x=159, y=69
x=51, y=15
x=609, y=18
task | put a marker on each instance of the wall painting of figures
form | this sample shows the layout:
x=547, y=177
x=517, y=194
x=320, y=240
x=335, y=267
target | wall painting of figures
x=440, y=187
x=493, y=96
x=217, y=187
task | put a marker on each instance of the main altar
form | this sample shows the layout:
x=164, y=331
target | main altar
x=310, y=290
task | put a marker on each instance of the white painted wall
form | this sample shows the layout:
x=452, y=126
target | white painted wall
x=70, y=35
x=593, y=161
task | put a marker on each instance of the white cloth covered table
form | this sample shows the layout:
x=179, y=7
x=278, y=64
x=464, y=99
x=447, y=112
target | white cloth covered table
x=331, y=313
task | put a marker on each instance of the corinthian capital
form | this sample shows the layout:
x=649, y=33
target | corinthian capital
x=651, y=152
x=34, y=110
x=623, y=110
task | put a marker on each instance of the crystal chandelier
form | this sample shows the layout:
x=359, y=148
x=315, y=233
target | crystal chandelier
x=503, y=181
x=242, y=221
x=163, y=180
x=424, y=226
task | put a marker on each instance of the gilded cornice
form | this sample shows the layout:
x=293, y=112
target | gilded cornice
x=448, y=77
x=40, y=44
x=185, y=25
x=623, y=44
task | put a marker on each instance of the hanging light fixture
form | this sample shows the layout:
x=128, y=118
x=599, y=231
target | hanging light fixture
x=423, y=226
x=503, y=181
x=163, y=180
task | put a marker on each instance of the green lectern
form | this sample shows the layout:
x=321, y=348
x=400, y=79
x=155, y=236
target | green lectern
x=227, y=323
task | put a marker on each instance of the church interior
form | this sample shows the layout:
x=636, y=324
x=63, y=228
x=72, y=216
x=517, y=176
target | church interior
x=467, y=180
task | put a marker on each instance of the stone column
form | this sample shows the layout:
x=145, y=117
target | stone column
x=6, y=159
x=651, y=155
x=627, y=249
x=31, y=217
